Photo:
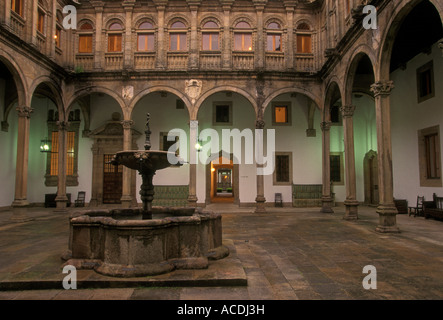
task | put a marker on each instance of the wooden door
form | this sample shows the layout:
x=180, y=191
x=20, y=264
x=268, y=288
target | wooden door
x=112, y=181
x=373, y=167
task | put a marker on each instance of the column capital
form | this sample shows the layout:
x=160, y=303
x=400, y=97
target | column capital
x=24, y=112
x=193, y=124
x=325, y=126
x=347, y=111
x=260, y=124
x=127, y=124
x=63, y=125
x=382, y=88
x=440, y=45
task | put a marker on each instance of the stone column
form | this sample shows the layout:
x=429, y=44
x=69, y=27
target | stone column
x=127, y=173
x=193, y=135
x=260, y=199
x=61, y=199
x=99, y=50
x=327, y=200
x=21, y=174
x=289, y=50
x=160, y=62
x=226, y=53
x=194, y=45
x=351, y=202
x=21, y=171
x=440, y=45
x=128, y=6
x=386, y=210
x=259, y=50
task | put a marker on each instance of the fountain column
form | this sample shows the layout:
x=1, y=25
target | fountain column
x=193, y=134
x=61, y=199
x=260, y=199
x=127, y=173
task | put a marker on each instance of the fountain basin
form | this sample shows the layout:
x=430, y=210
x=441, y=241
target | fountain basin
x=121, y=243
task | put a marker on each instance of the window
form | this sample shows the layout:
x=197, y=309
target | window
x=425, y=82
x=336, y=167
x=41, y=21
x=273, y=43
x=178, y=37
x=85, y=38
x=429, y=157
x=222, y=113
x=146, y=37
x=58, y=32
x=17, y=6
x=115, y=38
x=336, y=117
x=283, y=168
x=304, y=39
x=243, y=37
x=281, y=113
x=210, y=37
x=51, y=177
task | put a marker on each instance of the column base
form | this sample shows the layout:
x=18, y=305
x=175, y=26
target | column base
x=260, y=208
x=126, y=202
x=351, y=210
x=327, y=203
x=20, y=214
x=387, y=219
x=192, y=201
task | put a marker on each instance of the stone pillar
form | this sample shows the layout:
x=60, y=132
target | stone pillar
x=61, y=199
x=227, y=51
x=260, y=199
x=351, y=202
x=440, y=45
x=21, y=174
x=289, y=50
x=99, y=50
x=21, y=171
x=127, y=173
x=327, y=200
x=128, y=6
x=193, y=135
x=160, y=62
x=7, y=16
x=386, y=210
x=259, y=50
x=194, y=45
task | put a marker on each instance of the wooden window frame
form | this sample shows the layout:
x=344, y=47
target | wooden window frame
x=289, y=173
x=274, y=35
x=428, y=67
x=286, y=104
x=341, y=182
x=243, y=34
x=423, y=153
x=211, y=33
x=214, y=112
x=20, y=7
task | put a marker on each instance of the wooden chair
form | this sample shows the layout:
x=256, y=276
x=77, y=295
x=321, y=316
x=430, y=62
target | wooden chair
x=80, y=202
x=418, y=209
x=278, y=200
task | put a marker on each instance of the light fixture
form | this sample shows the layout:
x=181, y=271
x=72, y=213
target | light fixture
x=45, y=145
x=199, y=146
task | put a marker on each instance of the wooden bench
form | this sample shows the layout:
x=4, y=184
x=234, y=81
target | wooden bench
x=434, y=209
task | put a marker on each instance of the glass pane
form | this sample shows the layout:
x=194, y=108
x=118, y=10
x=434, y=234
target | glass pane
x=274, y=25
x=146, y=25
x=178, y=25
x=277, y=43
x=151, y=42
x=248, y=42
x=174, y=42
x=215, y=41
x=183, y=44
x=243, y=25
x=270, y=43
x=210, y=24
x=206, y=42
x=238, y=42
x=86, y=26
x=142, y=42
x=115, y=26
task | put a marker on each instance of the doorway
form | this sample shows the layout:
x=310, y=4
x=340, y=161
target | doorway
x=112, y=181
x=222, y=181
x=371, y=178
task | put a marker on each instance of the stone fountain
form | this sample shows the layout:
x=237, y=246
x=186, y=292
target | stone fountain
x=145, y=241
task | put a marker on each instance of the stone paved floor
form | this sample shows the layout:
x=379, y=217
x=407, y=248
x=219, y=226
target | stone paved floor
x=287, y=254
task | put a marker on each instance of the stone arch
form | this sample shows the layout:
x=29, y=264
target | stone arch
x=279, y=92
x=398, y=15
x=114, y=19
x=145, y=92
x=86, y=19
x=56, y=92
x=215, y=90
x=19, y=78
x=241, y=18
x=144, y=18
x=275, y=19
x=359, y=53
x=211, y=17
x=178, y=17
x=333, y=91
x=304, y=20
x=89, y=90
